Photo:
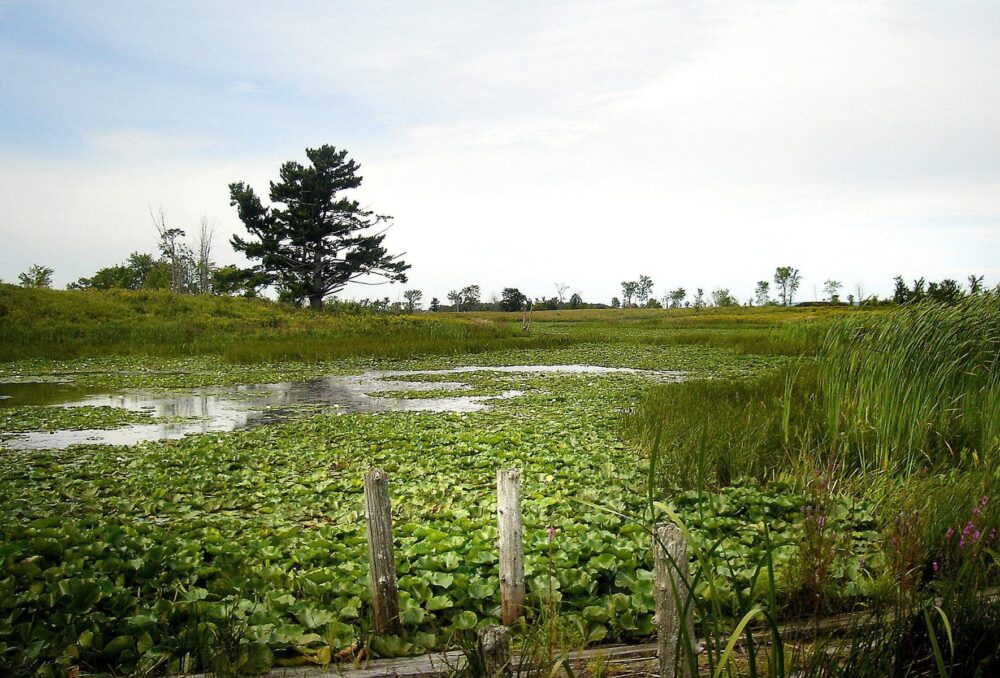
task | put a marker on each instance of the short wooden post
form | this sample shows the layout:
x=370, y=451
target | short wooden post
x=381, y=560
x=672, y=592
x=510, y=544
x=494, y=647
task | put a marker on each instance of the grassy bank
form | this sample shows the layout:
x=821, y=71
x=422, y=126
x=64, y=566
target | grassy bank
x=52, y=324
x=38, y=323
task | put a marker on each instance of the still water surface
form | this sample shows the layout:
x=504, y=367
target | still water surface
x=225, y=408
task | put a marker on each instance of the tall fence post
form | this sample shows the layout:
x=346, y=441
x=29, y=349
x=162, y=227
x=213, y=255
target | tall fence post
x=672, y=593
x=494, y=647
x=510, y=544
x=381, y=561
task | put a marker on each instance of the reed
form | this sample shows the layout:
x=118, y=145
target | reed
x=916, y=387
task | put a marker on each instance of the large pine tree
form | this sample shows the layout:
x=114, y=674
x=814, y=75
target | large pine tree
x=318, y=240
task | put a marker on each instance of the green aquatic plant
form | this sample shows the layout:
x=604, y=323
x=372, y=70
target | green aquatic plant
x=918, y=386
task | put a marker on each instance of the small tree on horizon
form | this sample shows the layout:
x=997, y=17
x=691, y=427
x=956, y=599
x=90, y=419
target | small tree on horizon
x=677, y=297
x=629, y=289
x=561, y=290
x=699, y=298
x=413, y=299
x=762, y=293
x=723, y=298
x=831, y=288
x=471, y=295
x=644, y=290
x=36, y=276
x=512, y=299
x=787, y=280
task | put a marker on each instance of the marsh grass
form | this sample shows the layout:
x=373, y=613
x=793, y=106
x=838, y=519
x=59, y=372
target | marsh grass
x=38, y=323
x=709, y=433
x=900, y=409
x=916, y=387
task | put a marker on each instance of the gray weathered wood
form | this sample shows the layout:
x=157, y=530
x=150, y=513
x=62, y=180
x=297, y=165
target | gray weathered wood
x=672, y=592
x=494, y=648
x=510, y=544
x=381, y=560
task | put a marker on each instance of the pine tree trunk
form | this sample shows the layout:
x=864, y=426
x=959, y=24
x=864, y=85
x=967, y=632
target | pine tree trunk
x=316, y=301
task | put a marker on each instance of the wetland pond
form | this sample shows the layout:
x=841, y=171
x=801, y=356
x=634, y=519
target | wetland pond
x=178, y=413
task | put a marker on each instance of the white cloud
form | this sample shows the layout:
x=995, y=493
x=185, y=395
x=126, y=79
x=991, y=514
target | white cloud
x=139, y=144
x=580, y=142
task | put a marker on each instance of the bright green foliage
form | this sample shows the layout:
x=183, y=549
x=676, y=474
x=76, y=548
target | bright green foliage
x=124, y=557
x=36, y=276
x=918, y=386
x=139, y=272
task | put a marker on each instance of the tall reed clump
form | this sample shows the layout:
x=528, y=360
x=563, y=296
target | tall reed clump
x=916, y=387
x=710, y=433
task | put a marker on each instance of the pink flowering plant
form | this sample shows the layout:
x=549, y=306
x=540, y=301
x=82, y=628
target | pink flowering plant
x=968, y=551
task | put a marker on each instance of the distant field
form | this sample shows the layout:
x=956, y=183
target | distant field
x=66, y=324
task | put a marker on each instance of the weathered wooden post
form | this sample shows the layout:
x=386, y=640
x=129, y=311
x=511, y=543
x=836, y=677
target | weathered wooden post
x=381, y=560
x=494, y=647
x=510, y=544
x=672, y=593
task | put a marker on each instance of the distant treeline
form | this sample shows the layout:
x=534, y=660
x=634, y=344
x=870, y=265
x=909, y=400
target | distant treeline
x=180, y=270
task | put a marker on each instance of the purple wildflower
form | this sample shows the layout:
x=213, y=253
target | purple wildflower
x=935, y=566
x=552, y=533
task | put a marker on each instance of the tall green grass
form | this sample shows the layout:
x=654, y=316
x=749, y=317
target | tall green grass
x=888, y=394
x=901, y=410
x=916, y=387
x=710, y=433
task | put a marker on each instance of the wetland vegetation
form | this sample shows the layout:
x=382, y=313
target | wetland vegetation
x=808, y=483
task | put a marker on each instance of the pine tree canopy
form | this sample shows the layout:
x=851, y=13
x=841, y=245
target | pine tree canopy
x=313, y=240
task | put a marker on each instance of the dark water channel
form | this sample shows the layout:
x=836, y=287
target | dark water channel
x=218, y=409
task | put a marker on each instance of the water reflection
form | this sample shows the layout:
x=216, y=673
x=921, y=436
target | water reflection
x=218, y=409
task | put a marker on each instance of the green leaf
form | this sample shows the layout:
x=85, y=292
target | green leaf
x=439, y=603
x=465, y=620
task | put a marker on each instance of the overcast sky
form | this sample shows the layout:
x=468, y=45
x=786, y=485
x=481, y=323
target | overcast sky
x=521, y=143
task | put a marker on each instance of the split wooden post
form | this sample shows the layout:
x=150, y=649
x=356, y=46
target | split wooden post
x=672, y=594
x=494, y=648
x=510, y=544
x=381, y=560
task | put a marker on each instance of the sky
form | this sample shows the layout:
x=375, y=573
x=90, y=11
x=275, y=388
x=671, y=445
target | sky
x=521, y=144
